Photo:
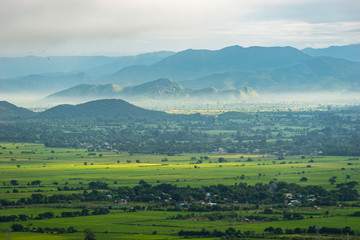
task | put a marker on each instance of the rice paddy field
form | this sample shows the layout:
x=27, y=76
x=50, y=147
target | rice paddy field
x=76, y=168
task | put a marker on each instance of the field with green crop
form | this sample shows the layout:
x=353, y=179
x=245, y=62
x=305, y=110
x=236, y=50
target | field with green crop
x=28, y=169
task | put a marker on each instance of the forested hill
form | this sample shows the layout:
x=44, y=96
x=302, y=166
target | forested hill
x=100, y=109
x=8, y=111
x=106, y=108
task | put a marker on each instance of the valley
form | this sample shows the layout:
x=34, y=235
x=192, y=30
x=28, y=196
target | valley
x=235, y=143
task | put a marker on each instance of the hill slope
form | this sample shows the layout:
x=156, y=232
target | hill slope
x=44, y=84
x=11, y=111
x=349, y=52
x=102, y=109
x=161, y=89
x=318, y=74
x=87, y=91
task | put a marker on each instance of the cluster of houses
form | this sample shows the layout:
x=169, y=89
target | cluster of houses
x=290, y=201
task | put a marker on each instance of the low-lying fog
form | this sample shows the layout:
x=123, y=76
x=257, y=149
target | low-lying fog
x=293, y=101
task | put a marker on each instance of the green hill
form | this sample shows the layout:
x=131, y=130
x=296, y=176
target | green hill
x=11, y=111
x=102, y=109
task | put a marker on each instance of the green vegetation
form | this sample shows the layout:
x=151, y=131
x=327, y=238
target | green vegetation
x=115, y=125
x=106, y=197
x=110, y=170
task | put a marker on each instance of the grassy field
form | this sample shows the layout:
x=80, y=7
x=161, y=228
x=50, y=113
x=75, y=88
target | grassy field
x=60, y=167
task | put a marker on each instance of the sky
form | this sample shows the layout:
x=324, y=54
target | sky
x=124, y=27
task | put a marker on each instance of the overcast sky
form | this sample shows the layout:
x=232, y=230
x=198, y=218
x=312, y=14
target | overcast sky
x=127, y=27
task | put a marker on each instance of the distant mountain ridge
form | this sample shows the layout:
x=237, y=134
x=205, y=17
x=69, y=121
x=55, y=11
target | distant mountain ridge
x=191, y=64
x=160, y=89
x=349, y=52
x=264, y=69
x=317, y=74
x=91, y=65
x=45, y=83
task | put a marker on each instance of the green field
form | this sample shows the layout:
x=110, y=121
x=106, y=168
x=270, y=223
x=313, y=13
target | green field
x=65, y=167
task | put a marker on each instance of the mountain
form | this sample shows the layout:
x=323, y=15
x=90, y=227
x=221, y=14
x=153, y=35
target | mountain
x=349, y=52
x=44, y=83
x=10, y=111
x=264, y=69
x=317, y=74
x=122, y=62
x=91, y=91
x=161, y=89
x=102, y=109
x=92, y=65
x=191, y=64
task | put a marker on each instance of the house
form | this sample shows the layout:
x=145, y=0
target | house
x=211, y=204
x=288, y=195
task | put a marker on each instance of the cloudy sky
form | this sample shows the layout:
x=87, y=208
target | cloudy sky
x=126, y=27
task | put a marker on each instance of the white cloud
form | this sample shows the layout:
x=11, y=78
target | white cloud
x=69, y=27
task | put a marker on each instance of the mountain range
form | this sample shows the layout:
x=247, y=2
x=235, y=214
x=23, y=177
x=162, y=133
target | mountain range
x=91, y=65
x=317, y=74
x=161, y=89
x=191, y=64
x=348, y=52
x=219, y=72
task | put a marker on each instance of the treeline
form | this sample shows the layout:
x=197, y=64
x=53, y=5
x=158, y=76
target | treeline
x=311, y=230
x=171, y=195
x=224, y=216
x=17, y=227
x=232, y=233
x=48, y=215
x=293, y=133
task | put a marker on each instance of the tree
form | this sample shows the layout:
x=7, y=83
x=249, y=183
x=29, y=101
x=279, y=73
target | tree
x=14, y=182
x=89, y=235
x=303, y=179
x=17, y=227
x=36, y=182
x=332, y=180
